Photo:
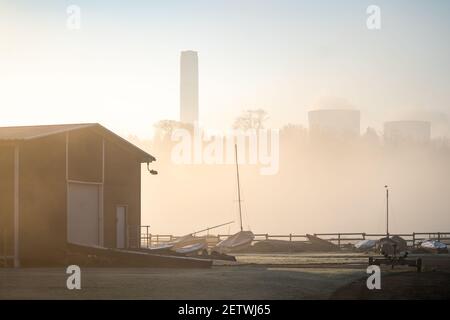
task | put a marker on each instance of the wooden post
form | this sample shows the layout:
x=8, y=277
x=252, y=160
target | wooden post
x=138, y=233
x=267, y=236
x=439, y=236
x=414, y=239
x=290, y=237
x=339, y=240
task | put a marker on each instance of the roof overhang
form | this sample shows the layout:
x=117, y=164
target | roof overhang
x=16, y=135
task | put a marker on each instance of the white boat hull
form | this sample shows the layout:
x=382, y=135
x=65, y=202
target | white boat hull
x=235, y=242
x=192, y=248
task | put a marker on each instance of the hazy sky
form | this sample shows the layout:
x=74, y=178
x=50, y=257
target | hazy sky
x=121, y=68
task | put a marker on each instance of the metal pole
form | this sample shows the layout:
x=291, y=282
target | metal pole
x=239, y=187
x=387, y=211
x=214, y=227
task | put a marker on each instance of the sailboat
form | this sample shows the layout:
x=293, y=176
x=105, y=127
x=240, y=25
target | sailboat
x=242, y=239
x=185, y=245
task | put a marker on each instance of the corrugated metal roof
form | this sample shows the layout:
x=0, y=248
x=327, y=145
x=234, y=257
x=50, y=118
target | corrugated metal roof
x=25, y=133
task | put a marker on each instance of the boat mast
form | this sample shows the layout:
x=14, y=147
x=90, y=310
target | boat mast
x=387, y=210
x=239, y=187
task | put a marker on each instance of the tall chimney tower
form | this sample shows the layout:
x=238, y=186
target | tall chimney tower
x=189, y=87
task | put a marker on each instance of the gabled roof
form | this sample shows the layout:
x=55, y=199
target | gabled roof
x=26, y=133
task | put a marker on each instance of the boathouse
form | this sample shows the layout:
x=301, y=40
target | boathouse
x=60, y=184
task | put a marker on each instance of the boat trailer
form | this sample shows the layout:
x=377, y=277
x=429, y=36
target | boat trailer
x=395, y=260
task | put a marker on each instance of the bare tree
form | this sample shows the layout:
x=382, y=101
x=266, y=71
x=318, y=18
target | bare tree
x=165, y=128
x=251, y=119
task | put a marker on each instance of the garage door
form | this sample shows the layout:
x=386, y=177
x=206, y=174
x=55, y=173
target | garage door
x=83, y=214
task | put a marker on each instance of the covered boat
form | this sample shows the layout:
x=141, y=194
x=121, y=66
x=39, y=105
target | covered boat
x=392, y=245
x=366, y=245
x=434, y=246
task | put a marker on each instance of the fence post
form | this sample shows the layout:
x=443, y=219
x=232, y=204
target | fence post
x=127, y=236
x=439, y=236
x=290, y=237
x=339, y=240
x=364, y=236
x=414, y=239
x=267, y=236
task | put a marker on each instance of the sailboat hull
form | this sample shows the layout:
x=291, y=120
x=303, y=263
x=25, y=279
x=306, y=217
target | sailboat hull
x=236, y=242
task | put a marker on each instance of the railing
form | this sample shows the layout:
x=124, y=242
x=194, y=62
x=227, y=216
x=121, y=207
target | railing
x=339, y=238
x=412, y=239
x=266, y=236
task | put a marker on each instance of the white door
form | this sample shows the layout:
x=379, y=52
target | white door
x=83, y=214
x=121, y=229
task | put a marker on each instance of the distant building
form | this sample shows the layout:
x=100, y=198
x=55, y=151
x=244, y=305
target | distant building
x=77, y=183
x=334, y=122
x=189, y=87
x=407, y=131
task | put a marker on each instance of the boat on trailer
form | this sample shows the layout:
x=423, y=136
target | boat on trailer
x=434, y=246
